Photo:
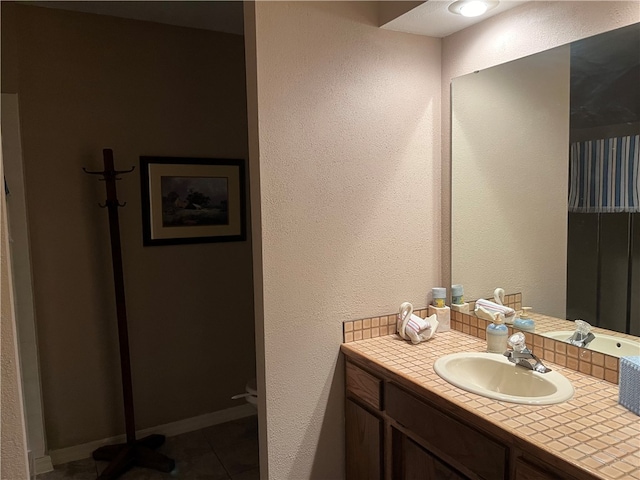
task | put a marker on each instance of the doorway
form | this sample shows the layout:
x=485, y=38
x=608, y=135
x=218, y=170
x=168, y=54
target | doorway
x=22, y=283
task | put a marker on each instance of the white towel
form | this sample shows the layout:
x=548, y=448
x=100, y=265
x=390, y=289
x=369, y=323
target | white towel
x=412, y=327
x=493, y=308
x=417, y=324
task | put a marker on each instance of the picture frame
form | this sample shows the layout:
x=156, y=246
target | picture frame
x=192, y=200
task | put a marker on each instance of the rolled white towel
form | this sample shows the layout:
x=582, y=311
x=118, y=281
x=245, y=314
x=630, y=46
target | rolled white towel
x=412, y=327
x=494, y=308
x=417, y=324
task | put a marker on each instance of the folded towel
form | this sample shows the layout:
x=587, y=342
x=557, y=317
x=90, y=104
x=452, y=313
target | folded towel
x=494, y=308
x=412, y=327
x=417, y=324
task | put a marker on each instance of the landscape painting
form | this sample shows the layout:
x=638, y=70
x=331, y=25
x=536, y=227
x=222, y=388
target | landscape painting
x=192, y=200
x=188, y=201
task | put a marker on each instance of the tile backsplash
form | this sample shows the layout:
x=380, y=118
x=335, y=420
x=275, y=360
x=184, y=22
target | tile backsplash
x=599, y=365
x=354, y=330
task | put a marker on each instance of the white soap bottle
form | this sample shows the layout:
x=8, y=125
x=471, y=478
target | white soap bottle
x=497, y=333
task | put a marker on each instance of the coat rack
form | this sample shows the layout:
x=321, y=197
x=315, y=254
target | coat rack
x=140, y=453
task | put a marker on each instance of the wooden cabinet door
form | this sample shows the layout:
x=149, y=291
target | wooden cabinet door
x=463, y=447
x=364, y=443
x=412, y=462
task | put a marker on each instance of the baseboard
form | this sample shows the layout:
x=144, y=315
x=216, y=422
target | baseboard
x=79, y=452
x=43, y=464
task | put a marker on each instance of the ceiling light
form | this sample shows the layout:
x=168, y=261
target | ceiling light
x=472, y=8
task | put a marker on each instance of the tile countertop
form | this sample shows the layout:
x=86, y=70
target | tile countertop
x=591, y=431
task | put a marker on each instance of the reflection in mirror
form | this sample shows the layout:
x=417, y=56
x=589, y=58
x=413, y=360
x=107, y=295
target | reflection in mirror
x=604, y=192
x=546, y=181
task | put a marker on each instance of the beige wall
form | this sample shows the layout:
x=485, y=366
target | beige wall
x=13, y=438
x=90, y=82
x=21, y=275
x=390, y=10
x=349, y=124
x=522, y=31
x=510, y=132
x=348, y=119
x=249, y=15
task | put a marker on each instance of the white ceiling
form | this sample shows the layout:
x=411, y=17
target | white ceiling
x=219, y=16
x=434, y=19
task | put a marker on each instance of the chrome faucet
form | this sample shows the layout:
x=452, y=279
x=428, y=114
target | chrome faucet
x=582, y=336
x=522, y=356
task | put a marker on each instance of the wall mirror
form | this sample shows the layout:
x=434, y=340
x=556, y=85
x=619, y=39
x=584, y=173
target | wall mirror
x=545, y=182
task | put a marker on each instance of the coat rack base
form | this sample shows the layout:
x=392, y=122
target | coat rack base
x=140, y=453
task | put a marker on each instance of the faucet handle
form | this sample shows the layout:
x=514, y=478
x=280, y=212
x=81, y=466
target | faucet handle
x=517, y=342
x=582, y=327
x=582, y=335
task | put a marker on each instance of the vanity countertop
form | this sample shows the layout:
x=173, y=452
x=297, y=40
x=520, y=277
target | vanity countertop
x=591, y=431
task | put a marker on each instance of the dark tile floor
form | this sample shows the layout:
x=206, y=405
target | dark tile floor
x=228, y=451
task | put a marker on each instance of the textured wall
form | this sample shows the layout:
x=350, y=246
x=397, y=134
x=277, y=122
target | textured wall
x=349, y=175
x=13, y=439
x=21, y=275
x=510, y=131
x=88, y=82
x=525, y=30
x=390, y=10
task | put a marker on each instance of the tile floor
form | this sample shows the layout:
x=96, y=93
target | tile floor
x=228, y=451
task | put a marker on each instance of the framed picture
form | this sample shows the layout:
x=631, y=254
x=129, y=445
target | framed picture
x=192, y=200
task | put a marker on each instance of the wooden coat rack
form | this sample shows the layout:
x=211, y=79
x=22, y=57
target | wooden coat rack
x=133, y=453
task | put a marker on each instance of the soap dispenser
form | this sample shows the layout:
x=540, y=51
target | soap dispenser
x=524, y=322
x=497, y=333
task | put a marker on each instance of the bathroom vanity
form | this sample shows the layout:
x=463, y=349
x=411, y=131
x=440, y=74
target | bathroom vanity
x=404, y=422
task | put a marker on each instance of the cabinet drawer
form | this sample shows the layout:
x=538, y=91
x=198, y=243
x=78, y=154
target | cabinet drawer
x=526, y=470
x=445, y=436
x=364, y=385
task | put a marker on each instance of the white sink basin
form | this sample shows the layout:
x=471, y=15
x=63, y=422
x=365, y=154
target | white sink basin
x=492, y=375
x=616, y=346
